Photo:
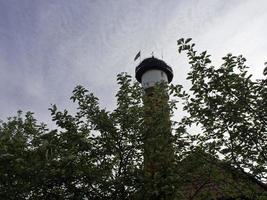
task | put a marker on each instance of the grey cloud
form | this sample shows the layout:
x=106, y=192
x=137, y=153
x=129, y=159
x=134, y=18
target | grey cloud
x=48, y=47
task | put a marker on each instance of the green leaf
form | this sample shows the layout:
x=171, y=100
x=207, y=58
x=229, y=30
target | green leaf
x=188, y=40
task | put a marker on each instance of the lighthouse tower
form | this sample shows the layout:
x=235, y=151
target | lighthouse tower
x=157, y=137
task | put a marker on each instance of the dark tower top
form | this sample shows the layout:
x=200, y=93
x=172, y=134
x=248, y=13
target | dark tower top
x=153, y=63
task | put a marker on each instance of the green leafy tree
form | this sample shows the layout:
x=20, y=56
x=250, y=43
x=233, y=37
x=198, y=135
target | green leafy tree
x=230, y=108
x=136, y=151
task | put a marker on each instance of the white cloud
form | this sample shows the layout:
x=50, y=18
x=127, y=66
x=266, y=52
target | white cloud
x=50, y=46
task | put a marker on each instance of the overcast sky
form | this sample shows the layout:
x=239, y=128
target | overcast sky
x=47, y=47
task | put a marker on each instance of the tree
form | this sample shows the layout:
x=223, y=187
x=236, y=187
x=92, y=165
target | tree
x=99, y=154
x=231, y=109
x=94, y=154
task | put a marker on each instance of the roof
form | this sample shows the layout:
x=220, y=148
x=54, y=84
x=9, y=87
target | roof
x=204, y=173
x=153, y=63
